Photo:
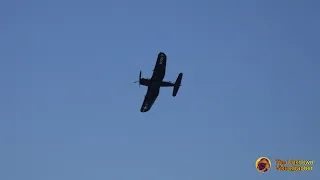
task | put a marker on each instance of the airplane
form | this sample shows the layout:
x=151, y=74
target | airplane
x=156, y=81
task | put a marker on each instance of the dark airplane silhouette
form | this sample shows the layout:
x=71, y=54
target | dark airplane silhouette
x=156, y=82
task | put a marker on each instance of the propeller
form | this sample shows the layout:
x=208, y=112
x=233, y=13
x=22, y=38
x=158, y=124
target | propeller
x=139, y=79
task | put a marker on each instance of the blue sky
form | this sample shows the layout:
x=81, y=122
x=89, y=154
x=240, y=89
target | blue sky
x=69, y=108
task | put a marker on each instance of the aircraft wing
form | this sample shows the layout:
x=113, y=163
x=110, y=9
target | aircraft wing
x=148, y=102
x=161, y=63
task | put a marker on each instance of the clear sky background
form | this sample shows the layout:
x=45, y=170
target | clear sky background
x=69, y=108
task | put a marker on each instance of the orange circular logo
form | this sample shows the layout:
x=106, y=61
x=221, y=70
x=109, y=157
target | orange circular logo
x=263, y=164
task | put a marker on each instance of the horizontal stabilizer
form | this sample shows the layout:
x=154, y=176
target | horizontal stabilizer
x=177, y=85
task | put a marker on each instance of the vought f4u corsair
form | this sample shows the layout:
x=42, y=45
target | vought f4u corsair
x=156, y=81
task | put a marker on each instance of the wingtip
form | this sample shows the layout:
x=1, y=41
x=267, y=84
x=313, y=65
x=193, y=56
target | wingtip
x=162, y=53
x=143, y=111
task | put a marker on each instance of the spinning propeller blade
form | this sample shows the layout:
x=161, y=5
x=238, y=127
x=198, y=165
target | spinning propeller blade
x=139, y=79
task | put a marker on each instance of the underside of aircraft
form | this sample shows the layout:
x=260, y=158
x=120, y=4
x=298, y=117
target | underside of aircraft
x=156, y=82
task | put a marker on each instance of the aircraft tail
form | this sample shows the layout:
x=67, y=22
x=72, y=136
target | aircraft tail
x=177, y=85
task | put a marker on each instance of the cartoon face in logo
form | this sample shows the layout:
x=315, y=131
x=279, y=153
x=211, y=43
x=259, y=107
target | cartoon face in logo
x=263, y=164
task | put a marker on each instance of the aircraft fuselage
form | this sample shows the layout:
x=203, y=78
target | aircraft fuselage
x=156, y=81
